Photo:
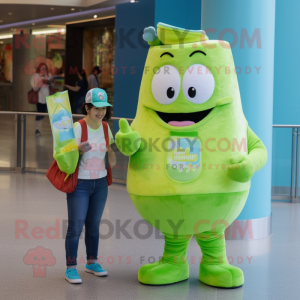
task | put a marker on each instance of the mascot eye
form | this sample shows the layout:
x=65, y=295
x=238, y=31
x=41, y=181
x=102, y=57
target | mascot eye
x=166, y=84
x=170, y=92
x=198, y=84
x=192, y=92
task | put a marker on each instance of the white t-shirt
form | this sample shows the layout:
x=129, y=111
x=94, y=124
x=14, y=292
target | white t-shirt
x=92, y=81
x=92, y=163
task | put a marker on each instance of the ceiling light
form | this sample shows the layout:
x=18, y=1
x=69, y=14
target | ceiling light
x=72, y=8
x=49, y=31
x=95, y=16
x=57, y=26
x=10, y=14
x=7, y=36
x=52, y=8
x=1, y=42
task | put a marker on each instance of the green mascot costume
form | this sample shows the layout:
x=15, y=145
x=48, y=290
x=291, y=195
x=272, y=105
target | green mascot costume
x=192, y=153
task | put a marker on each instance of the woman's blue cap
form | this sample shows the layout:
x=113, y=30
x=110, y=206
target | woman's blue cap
x=97, y=97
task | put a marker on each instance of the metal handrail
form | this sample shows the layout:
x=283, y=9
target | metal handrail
x=20, y=153
x=286, y=126
x=20, y=134
x=294, y=193
x=29, y=113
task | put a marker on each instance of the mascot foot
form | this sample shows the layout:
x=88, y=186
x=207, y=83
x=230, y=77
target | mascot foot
x=160, y=273
x=224, y=275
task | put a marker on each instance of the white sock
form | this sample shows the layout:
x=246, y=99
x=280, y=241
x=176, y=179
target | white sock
x=71, y=267
x=91, y=261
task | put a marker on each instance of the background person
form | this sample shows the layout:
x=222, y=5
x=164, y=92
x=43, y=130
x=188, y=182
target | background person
x=87, y=202
x=93, y=78
x=81, y=89
x=42, y=82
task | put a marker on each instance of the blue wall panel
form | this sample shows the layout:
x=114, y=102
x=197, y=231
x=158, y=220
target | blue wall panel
x=130, y=52
x=186, y=14
x=286, y=107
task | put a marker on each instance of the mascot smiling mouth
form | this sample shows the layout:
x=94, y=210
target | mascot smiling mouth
x=183, y=119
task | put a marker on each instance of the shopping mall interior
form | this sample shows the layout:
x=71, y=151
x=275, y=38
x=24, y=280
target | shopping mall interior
x=110, y=42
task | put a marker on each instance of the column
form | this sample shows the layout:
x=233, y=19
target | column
x=250, y=27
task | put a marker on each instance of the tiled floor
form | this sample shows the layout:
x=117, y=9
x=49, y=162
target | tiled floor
x=271, y=266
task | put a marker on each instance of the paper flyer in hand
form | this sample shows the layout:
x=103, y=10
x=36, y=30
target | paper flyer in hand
x=65, y=147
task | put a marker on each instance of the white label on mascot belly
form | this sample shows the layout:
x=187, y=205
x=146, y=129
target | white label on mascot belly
x=184, y=156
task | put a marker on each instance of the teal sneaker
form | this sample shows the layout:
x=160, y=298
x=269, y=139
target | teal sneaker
x=95, y=269
x=72, y=276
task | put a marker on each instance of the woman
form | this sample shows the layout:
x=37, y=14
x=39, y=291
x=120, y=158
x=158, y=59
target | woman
x=41, y=81
x=86, y=203
x=93, y=78
x=81, y=89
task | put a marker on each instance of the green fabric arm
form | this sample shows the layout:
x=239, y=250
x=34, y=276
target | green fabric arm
x=256, y=150
x=242, y=167
x=127, y=140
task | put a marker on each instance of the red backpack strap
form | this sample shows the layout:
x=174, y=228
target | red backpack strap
x=84, y=130
x=105, y=129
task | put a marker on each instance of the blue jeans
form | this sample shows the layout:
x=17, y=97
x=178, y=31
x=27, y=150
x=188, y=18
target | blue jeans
x=40, y=108
x=85, y=206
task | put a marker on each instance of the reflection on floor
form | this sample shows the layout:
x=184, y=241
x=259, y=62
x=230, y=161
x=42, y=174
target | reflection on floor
x=28, y=201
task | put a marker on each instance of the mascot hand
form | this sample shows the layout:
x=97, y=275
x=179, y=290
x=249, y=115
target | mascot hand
x=149, y=34
x=241, y=168
x=127, y=141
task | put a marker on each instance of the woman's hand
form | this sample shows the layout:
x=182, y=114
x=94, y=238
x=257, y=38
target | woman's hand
x=80, y=152
x=40, y=81
x=72, y=88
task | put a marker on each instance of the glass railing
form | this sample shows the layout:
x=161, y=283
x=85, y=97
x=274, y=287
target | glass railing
x=285, y=163
x=22, y=151
x=5, y=95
